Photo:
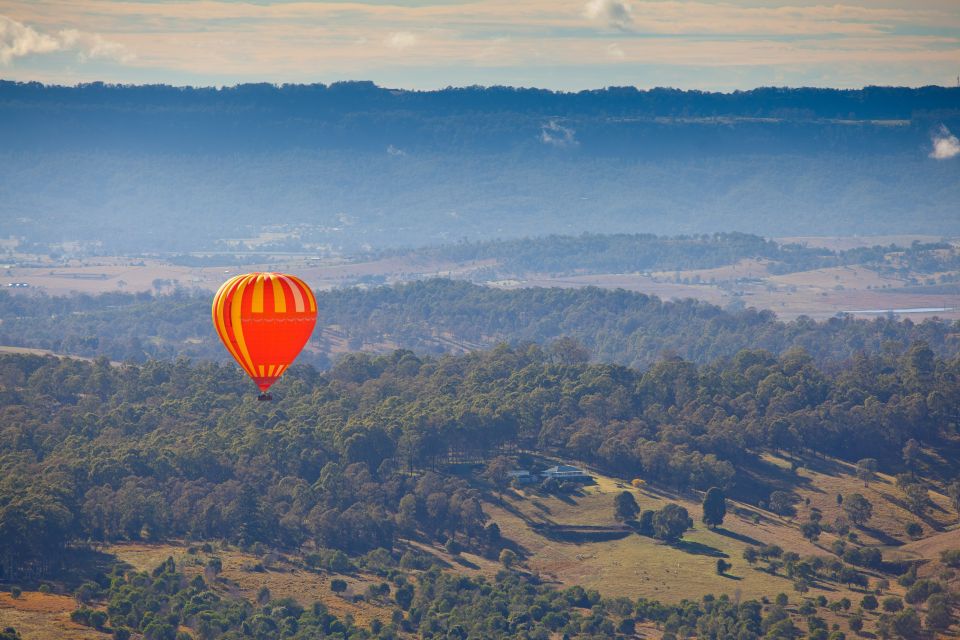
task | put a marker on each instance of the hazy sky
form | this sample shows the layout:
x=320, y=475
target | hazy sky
x=560, y=44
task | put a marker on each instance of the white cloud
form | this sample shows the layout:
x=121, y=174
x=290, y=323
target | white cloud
x=557, y=135
x=18, y=40
x=614, y=51
x=401, y=40
x=945, y=145
x=614, y=13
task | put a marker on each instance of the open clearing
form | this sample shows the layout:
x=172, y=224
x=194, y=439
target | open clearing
x=40, y=616
x=637, y=566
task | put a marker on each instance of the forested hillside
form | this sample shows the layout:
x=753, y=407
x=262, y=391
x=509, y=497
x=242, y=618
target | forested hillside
x=436, y=316
x=351, y=467
x=171, y=449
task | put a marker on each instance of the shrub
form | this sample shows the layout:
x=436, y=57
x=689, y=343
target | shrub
x=855, y=623
x=892, y=604
x=15, y=592
x=869, y=602
x=951, y=558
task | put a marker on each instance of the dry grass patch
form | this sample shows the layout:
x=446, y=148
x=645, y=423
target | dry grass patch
x=636, y=566
x=43, y=616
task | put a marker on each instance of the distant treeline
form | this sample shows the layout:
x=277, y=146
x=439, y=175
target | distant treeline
x=436, y=316
x=620, y=253
x=312, y=99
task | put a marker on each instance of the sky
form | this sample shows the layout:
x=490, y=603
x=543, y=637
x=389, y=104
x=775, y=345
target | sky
x=425, y=44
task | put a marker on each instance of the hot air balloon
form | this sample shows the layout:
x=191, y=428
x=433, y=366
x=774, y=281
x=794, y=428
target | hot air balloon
x=264, y=319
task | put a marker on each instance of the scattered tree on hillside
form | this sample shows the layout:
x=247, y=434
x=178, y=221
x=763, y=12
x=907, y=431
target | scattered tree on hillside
x=867, y=470
x=671, y=522
x=781, y=503
x=858, y=509
x=625, y=506
x=917, y=498
x=714, y=507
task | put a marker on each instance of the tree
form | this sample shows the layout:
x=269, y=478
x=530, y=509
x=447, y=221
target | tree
x=750, y=554
x=671, y=522
x=939, y=617
x=856, y=623
x=498, y=473
x=858, y=509
x=911, y=452
x=714, y=507
x=869, y=602
x=867, y=470
x=646, y=522
x=508, y=558
x=810, y=531
x=625, y=506
x=916, y=498
x=338, y=585
x=781, y=503
x=906, y=624
x=892, y=604
x=722, y=566
x=914, y=530
x=953, y=490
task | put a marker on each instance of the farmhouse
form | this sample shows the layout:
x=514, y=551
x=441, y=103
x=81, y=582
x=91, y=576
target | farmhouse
x=521, y=476
x=566, y=472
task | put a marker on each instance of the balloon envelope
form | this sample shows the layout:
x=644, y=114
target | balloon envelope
x=264, y=320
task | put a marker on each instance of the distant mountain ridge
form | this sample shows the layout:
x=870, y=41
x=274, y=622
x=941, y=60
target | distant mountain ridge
x=123, y=169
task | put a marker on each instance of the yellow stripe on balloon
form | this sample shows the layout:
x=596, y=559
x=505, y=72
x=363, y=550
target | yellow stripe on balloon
x=279, y=298
x=256, y=305
x=270, y=370
x=235, y=317
x=219, y=318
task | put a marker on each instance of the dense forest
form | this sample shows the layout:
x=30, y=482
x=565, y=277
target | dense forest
x=353, y=459
x=124, y=169
x=436, y=316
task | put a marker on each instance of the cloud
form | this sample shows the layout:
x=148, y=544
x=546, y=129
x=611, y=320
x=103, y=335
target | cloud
x=945, y=145
x=18, y=40
x=614, y=51
x=395, y=151
x=557, y=135
x=401, y=40
x=614, y=13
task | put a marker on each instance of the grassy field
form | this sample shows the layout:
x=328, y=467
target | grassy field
x=637, y=566
x=39, y=616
